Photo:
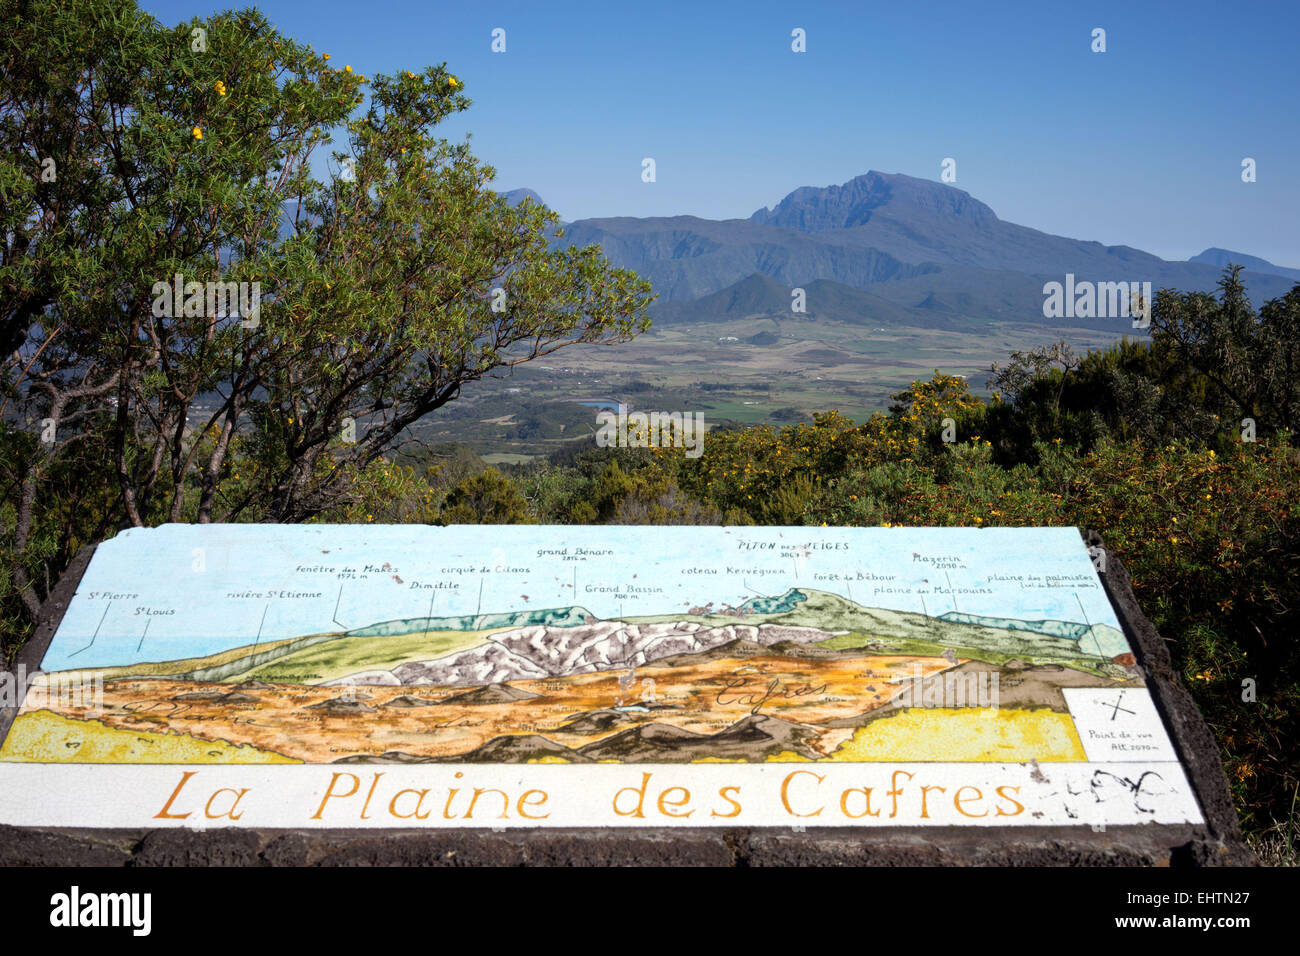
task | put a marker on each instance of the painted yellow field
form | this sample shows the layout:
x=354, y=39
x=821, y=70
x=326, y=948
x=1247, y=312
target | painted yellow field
x=951, y=734
x=44, y=737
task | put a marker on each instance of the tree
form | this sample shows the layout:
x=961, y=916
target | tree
x=1210, y=363
x=1026, y=369
x=485, y=498
x=370, y=298
x=1251, y=360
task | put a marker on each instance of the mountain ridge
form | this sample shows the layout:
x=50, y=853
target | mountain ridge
x=1222, y=257
x=911, y=241
x=851, y=204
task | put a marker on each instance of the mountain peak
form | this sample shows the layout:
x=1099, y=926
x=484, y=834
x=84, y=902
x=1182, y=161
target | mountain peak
x=516, y=196
x=1222, y=257
x=818, y=209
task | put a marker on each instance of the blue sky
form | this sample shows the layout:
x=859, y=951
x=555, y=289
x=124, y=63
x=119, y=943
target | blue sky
x=1141, y=145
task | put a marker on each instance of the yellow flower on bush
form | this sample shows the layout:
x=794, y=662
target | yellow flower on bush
x=196, y=133
x=347, y=69
x=220, y=87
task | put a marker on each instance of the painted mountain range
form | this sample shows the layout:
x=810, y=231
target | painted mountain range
x=803, y=675
x=481, y=649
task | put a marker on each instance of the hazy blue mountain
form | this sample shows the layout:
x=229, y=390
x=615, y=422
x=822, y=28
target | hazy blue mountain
x=879, y=250
x=516, y=196
x=919, y=220
x=813, y=209
x=685, y=257
x=1221, y=257
x=924, y=246
x=758, y=296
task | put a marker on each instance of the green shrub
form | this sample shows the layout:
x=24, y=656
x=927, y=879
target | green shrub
x=486, y=498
